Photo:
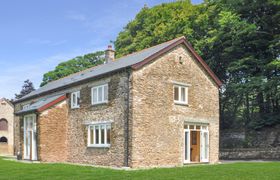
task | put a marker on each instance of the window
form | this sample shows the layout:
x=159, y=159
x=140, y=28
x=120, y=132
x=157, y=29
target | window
x=25, y=107
x=75, y=99
x=3, y=125
x=180, y=94
x=3, y=140
x=99, y=135
x=99, y=94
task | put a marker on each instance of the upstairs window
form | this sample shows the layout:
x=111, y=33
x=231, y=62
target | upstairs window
x=25, y=107
x=99, y=94
x=3, y=125
x=180, y=94
x=75, y=99
x=99, y=135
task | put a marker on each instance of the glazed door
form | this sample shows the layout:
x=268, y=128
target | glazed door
x=30, y=149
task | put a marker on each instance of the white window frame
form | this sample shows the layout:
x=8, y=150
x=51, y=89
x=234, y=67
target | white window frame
x=95, y=126
x=180, y=99
x=76, y=103
x=103, y=99
x=25, y=107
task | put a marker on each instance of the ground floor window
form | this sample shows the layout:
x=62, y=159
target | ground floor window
x=196, y=143
x=99, y=135
x=3, y=140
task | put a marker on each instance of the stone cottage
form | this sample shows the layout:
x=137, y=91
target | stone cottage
x=156, y=107
x=6, y=127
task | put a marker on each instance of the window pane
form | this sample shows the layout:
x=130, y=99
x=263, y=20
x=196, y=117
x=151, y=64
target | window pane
x=102, y=134
x=78, y=98
x=206, y=145
x=186, y=145
x=94, y=94
x=105, y=92
x=96, y=134
x=108, y=134
x=73, y=99
x=176, y=93
x=194, y=137
x=183, y=94
x=91, y=135
x=100, y=94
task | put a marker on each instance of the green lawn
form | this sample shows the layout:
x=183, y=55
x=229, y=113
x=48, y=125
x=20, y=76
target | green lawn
x=16, y=170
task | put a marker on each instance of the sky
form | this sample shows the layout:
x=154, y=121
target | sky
x=35, y=35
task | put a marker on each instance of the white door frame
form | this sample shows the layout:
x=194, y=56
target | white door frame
x=187, y=159
x=29, y=139
x=203, y=129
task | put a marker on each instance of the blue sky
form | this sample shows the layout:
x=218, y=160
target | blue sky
x=37, y=35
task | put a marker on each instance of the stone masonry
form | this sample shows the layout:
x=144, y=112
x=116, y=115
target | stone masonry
x=114, y=111
x=157, y=124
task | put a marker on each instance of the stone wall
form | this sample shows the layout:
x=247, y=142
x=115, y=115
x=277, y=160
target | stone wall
x=157, y=124
x=250, y=153
x=7, y=113
x=52, y=134
x=259, y=144
x=115, y=111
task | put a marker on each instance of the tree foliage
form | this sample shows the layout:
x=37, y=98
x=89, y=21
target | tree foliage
x=26, y=89
x=73, y=65
x=240, y=41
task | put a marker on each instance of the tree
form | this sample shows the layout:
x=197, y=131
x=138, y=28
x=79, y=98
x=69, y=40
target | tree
x=238, y=39
x=26, y=89
x=73, y=65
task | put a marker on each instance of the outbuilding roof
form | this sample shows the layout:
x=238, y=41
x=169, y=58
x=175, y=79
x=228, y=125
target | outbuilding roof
x=43, y=104
x=134, y=60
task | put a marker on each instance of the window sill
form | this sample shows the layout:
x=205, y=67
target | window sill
x=181, y=103
x=99, y=146
x=75, y=107
x=101, y=103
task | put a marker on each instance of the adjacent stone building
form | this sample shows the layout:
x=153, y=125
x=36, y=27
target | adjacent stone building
x=6, y=127
x=156, y=107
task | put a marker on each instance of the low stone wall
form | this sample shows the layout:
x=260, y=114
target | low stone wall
x=250, y=153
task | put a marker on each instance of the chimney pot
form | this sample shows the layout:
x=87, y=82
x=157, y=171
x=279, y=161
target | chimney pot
x=109, y=54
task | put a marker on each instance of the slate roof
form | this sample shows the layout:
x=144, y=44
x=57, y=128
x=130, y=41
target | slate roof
x=43, y=102
x=131, y=60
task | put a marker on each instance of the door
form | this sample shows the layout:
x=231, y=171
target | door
x=204, y=146
x=195, y=146
x=30, y=149
x=187, y=146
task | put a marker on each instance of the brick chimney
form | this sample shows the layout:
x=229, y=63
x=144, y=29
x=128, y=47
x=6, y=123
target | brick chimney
x=109, y=54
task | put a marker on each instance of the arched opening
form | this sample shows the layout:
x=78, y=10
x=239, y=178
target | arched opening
x=3, y=125
x=3, y=140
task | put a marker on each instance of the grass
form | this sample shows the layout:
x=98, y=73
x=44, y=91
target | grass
x=17, y=170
